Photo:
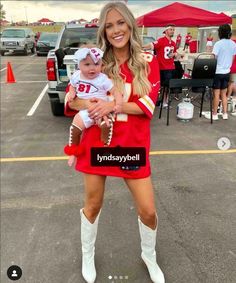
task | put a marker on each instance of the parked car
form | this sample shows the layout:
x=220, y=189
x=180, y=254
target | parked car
x=147, y=39
x=60, y=62
x=17, y=40
x=46, y=42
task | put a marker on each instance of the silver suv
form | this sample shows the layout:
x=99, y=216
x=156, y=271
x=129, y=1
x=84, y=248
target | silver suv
x=17, y=40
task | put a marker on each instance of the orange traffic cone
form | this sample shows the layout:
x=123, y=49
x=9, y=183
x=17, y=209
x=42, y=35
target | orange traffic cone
x=10, y=75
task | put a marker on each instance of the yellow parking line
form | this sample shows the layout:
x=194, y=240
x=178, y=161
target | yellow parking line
x=161, y=152
x=182, y=152
x=22, y=159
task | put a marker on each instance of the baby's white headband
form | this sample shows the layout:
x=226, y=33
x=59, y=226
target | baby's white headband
x=95, y=53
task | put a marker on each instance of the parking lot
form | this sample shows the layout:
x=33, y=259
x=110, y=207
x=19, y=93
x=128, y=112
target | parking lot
x=41, y=197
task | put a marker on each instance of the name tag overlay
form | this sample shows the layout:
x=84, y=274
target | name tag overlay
x=118, y=156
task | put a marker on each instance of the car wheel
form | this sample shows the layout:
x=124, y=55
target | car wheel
x=57, y=107
x=2, y=53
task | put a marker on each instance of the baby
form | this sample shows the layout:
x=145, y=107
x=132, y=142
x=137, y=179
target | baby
x=88, y=82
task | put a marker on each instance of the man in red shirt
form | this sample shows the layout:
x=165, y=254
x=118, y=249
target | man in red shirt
x=178, y=41
x=165, y=50
x=188, y=38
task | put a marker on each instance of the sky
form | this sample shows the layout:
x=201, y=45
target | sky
x=63, y=11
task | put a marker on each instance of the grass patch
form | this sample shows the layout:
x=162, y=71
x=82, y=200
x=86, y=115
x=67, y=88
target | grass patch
x=36, y=29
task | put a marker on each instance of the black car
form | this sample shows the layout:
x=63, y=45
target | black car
x=46, y=42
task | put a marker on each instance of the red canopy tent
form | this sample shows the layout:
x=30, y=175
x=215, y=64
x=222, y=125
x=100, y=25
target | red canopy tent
x=182, y=15
x=45, y=21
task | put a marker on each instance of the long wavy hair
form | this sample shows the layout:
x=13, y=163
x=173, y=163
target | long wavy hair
x=136, y=63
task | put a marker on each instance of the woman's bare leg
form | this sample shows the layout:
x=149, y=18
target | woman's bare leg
x=142, y=191
x=94, y=193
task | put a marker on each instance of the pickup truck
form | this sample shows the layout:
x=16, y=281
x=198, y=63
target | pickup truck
x=17, y=40
x=60, y=64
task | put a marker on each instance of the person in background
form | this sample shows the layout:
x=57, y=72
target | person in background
x=209, y=44
x=136, y=75
x=178, y=41
x=188, y=38
x=224, y=50
x=37, y=36
x=232, y=80
x=165, y=49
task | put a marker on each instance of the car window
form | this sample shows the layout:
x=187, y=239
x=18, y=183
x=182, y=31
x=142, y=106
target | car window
x=13, y=33
x=77, y=37
x=52, y=37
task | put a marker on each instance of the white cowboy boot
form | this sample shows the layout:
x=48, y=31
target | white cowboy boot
x=148, y=242
x=88, y=238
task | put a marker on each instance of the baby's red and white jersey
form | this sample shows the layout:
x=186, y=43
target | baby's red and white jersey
x=129, y=130
x=86, y=89
x=163, y=47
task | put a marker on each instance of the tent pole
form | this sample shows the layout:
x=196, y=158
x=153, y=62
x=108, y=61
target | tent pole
x=142, y=29
x=197, y=39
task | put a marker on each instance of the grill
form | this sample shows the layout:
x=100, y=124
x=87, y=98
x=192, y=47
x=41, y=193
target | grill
x=204, y=68
x=10, y=43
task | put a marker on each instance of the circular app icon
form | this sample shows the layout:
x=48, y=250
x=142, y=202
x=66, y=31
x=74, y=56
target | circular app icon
x=14, y=272
x=223, y=143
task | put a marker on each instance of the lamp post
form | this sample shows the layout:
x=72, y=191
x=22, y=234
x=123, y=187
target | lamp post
x=26, y=17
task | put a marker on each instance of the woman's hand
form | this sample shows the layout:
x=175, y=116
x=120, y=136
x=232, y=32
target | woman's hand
x=80, y=104
x=100, y=108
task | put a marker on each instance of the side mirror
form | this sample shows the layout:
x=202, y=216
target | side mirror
x=28, y=36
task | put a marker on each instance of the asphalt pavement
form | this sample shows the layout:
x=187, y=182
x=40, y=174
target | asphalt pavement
x=195, y=189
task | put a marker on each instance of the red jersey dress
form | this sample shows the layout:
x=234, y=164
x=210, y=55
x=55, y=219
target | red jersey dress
x=128, y=130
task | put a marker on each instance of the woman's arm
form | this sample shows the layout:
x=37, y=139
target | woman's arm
x=80, y=104
x=131, y=108
x=101, y=108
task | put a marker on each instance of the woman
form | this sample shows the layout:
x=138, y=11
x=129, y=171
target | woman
x=224, y=51
x=137, y=76
x=209, y=44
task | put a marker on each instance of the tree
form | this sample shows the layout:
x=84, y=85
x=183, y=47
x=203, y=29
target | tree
x=2, y=13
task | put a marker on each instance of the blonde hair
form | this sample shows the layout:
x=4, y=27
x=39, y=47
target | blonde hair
x=136, y=63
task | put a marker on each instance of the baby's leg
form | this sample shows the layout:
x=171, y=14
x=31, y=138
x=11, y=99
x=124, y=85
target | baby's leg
x=73, y=149
x=107, y=129
x=76, y=129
